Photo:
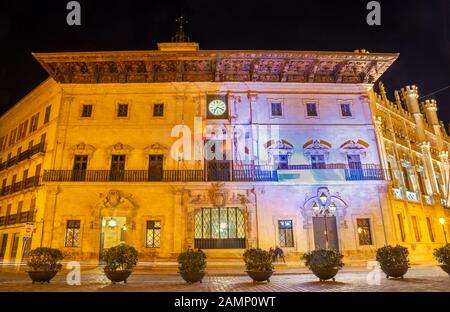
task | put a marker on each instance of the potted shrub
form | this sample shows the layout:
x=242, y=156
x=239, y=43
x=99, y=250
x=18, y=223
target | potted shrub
x=324, y=263
x=258, y=264
x=44, y=264
x=394, y=260
x=120, y=261
x=442, y=255
x=191, y=265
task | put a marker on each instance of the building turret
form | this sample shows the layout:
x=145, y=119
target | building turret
x=410, y=96
x=430, y=107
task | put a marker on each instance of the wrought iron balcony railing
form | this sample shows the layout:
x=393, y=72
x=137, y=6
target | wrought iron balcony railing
x=17, y=218
x=38, y=148
x=242, y=173
x=236, y=175
x=19, y=186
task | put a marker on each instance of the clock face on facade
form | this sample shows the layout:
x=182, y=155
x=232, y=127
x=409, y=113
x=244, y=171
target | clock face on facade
x=217, y=107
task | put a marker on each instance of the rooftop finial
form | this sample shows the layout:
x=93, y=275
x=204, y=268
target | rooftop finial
x=180, y=35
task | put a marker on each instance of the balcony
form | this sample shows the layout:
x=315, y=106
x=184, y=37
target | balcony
x=19, y=186
x=241, y=173
x=38, y=148
x=18, y=218
x=244, y=174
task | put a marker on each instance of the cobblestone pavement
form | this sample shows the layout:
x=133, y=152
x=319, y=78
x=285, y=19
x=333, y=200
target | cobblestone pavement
x=430, y=279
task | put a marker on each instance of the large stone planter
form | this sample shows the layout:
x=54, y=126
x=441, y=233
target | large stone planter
x=118, y=276
x=325, y=274
x=395, y=272
x=258, y=276
x=42, y=276
x=193, y=277
x=445, y=268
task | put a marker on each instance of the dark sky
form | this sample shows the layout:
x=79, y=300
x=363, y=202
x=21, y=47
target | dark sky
x=418, y=29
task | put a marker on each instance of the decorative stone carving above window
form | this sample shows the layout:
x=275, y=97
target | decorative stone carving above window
x=157, y=149
x=351, y=147
x=279, y=147
x=119, y=149
x=82, y=149
x=317, y=147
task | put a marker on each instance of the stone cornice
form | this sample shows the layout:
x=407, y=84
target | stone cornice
x=218, y=66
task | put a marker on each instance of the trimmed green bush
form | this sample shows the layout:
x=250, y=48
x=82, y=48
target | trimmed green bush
x=323, y=258
x=192, y=261
x=393, y=256
x=45, y=259
x=258, y=260
x=442, y=254
x=120, y=258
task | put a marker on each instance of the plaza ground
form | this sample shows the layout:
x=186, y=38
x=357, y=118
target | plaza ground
x=350, y=279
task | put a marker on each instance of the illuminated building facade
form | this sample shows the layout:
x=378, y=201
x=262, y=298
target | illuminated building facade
x=95, y=156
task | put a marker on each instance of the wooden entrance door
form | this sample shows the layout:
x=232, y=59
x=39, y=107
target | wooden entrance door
x=155, y=167
x=320, y=230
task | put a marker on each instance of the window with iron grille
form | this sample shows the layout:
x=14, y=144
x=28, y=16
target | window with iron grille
x=153, y=239
x=158, y=110
x=219, y=228
x=122, y=110
x=364, y=232
x=285, y=233
x=277, y=109
x=311, y=110
x=72, y=233
x=86, y=110
x=346, y=110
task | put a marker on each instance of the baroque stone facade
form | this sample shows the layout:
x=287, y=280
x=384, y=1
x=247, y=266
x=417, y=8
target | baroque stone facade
x=93, y=156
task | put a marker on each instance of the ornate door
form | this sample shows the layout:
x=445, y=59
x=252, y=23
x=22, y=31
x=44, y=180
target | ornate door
x=322, y=230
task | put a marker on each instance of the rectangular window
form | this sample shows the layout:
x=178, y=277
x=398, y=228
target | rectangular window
x=158, y=110
x=3, y=245
x=346, y=110
x=277, y=110
x=311, y=110
x=72, y=233
x=48, y=111
x=318, y=162
x=430, y=230
x=406, y=179
x=34, y=123
x=416, y=228
x=79, y=167
x=25, y=128
x=401, y=227
x=281, y=161
x=19, y=132
x=364, y=232
x=117, y=172
x=14, y=246
x=122, y=110
x=285, y=233
x=86, y=111
x=153, y=234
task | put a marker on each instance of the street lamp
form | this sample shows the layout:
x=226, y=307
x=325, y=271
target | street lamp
x=442, y=221
x=323, y=207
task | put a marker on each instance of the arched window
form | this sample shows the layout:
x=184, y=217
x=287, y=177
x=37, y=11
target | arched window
x=219, y=228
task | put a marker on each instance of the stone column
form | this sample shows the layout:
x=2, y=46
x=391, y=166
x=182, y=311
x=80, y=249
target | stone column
x=429, y=168
x=380, y=142
x=48, y=220
x=445, y=173
x=179, y=219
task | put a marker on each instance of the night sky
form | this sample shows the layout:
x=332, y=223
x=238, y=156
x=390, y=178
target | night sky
x=418, y=30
